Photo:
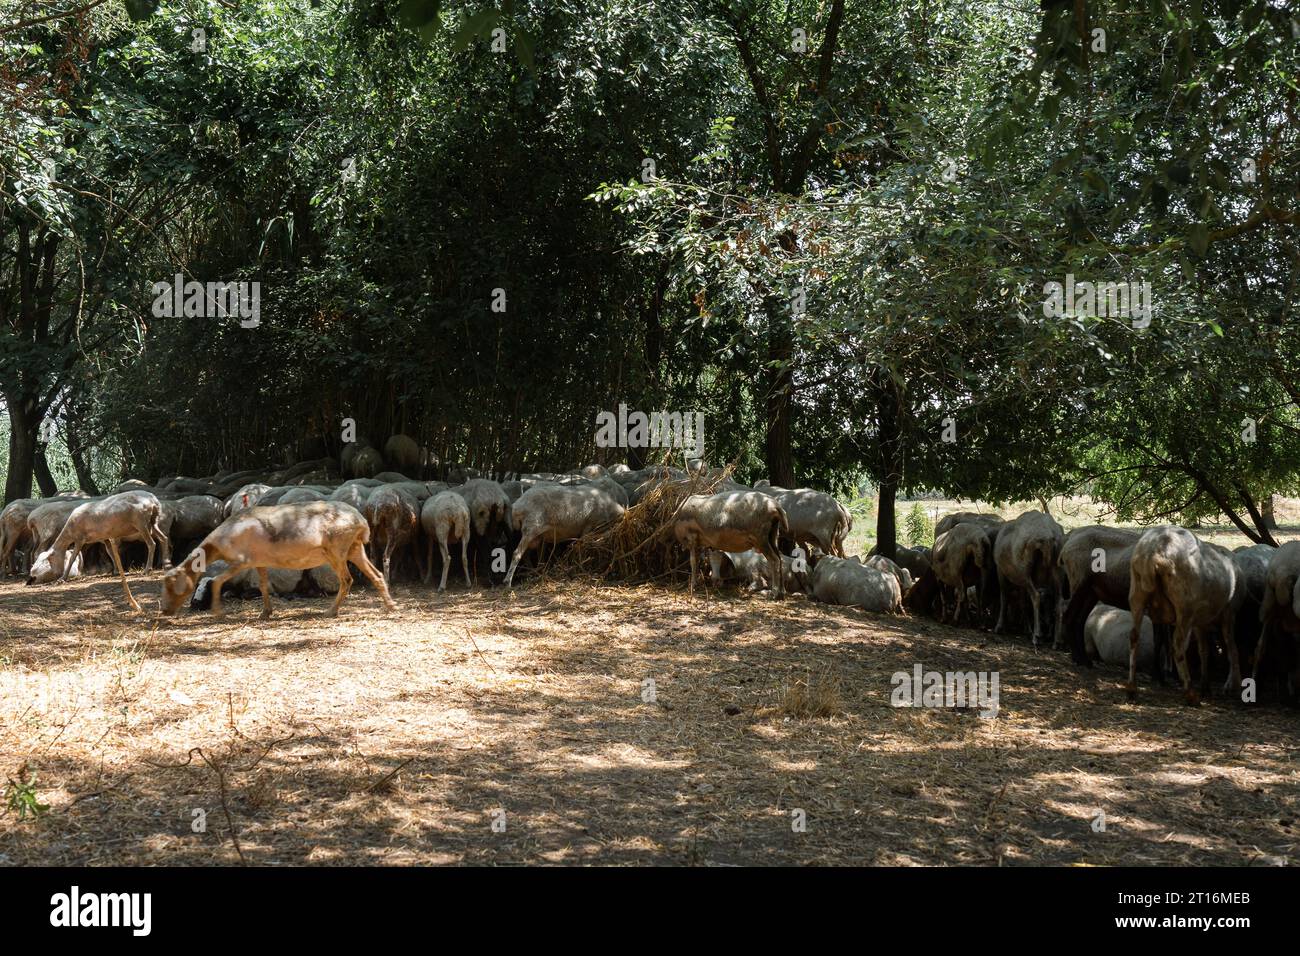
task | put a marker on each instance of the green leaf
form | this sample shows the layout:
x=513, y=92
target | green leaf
x=1198, y=237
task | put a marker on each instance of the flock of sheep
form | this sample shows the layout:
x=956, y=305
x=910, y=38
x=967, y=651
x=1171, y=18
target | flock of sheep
x=1122, y=596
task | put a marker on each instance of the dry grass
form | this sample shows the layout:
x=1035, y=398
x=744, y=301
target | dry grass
x=640, y=547
x=399, y=739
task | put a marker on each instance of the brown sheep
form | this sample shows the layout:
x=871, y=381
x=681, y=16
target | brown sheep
x=733, y=521
x=295, y=537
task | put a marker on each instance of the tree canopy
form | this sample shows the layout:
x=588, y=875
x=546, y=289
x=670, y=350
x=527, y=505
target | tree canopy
x=832, y=227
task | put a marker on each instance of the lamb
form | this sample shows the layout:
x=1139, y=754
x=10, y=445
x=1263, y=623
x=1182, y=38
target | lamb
x=349, y=453
x=1178, y=580
x=962, y=558
x=849, y=582
x=489, y=508
x=1095, y=561
x=732, y=521
x=1025, y=555
x=394, y=517
x=46, y=521
x=43, y=570
x=1252, y=563
x=915, y=560
x=445, y=516
x=132, y=514
x=1106, y=636
x=295, y=537
x=815, y=518
x=555, y=513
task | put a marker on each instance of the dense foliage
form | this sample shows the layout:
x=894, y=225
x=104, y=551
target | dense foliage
x=829, y=226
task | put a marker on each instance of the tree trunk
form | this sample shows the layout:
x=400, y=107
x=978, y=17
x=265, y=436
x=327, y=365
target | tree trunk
x=889, y=441
x=41, y=469
x=1266, y=511
x=780, y=405
x=886, y=521
x=77, y=452
x=22, y=453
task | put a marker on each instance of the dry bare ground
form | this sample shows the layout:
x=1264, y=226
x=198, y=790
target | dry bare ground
x=399, y=739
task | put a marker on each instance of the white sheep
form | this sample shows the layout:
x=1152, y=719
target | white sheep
x=1178, y=580
x=445, y=517
x=849, y=582
x=555, y=513
x=1025, y=556
x=962, y=558
x=1106, y=636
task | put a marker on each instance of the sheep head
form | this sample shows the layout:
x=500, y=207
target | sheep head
x=179, y=583
x=47, y=567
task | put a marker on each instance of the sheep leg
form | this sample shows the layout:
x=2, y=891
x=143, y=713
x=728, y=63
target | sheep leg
x=117, y=563
x=464, y=558
x=774, y=563
x=428, y=563
x=1036, y=599
x=1204, y=649
x=358, y=557
x=695, y=565
x=1259, y=649
x=7, y=547
x=70, y=558
x=1182, y=640
x=413, y=547
x=164, y=543
x=264, y=581
x=520, y=551
x=1139, y=609
x=1160, y=646
x=1000, y=626
x=446, y=560
x=341, y=571
x=218, y=583
x=1234, y=656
